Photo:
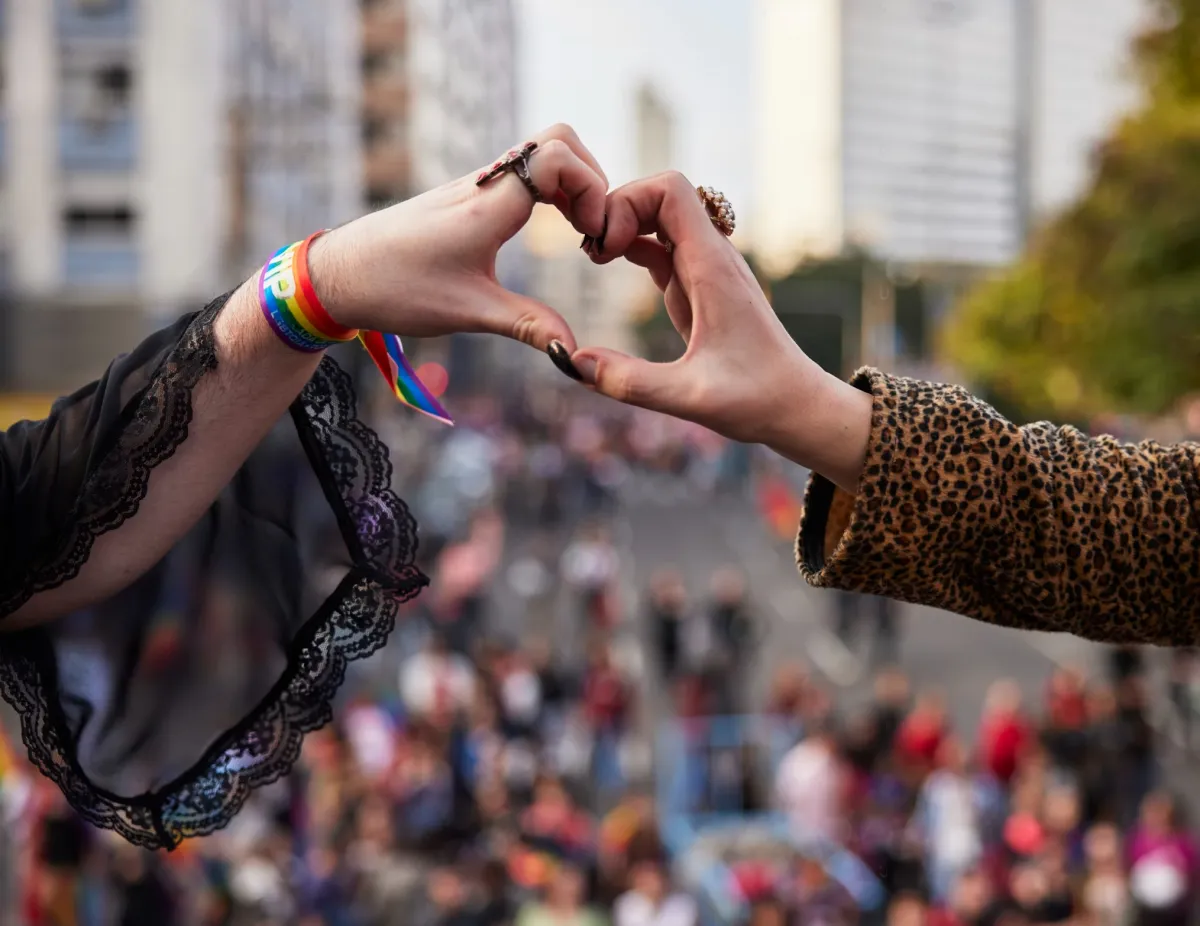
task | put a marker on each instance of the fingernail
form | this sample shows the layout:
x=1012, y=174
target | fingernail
x=603, y=234
x=562, y=360
x=586, y=367
x=586, y=243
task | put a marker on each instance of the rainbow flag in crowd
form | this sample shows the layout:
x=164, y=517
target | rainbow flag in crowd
x=388, y=354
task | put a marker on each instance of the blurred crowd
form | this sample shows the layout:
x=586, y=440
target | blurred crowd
x=501, y=762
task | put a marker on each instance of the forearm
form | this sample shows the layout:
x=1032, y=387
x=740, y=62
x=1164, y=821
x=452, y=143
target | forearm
x=1037, y=527
x=232, y=407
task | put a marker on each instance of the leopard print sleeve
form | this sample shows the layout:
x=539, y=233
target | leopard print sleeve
x=1036, y=527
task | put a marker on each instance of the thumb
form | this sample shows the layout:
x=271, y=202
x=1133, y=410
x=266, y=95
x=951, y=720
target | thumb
x=631, y=380
x=524, y=319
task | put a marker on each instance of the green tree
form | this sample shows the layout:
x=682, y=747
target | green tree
x=1103, y=311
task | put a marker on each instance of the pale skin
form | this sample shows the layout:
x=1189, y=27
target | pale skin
x=741, y=375
x=426, y=267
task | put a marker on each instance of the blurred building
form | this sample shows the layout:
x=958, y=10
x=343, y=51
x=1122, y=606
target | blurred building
x=929, y=131
x=439, y=91
x=601, y=304
x=154, y=152
x=438, y=102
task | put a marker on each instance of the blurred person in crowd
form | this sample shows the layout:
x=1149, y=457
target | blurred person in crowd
x=143, y=893
x=424, y=788
x=556, y=684
x=447, y=900
x=1062, y=817
x=54, y=878
x=1005, y=733
x=519, y=687
x=1162, y=859
x=496, y=907
x=949, y=818
x=665, y=614
x=650, y=901
x=1059, y=905
x=921, y=733
x=437, y=684
x=768, y=911
x=590, y=566
x=907, y=909
x=460, y=582
x=810, y=785
x=1125, y=662
x=818, y=899
x=1101, y=773
x=1064, y=731
x=890, y=705
x=785, y=709
x=563, y=903
x=733, y=637
x=554, y=818
x=1030, y=890
x=1137, y=767
x=878, y=615
x=388, y=880
x=969, y=901
x=607, y=704
x=1104, y=892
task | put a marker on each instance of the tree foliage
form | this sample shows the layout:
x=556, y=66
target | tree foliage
x=1103, y=311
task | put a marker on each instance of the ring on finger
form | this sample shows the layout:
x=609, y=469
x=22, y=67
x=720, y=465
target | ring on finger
x=515, y=161
x=720, y=213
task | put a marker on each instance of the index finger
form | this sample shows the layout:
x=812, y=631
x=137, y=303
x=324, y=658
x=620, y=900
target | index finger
x=666, y=203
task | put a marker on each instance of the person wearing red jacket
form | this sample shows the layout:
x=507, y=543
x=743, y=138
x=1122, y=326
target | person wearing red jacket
x=1005, y=733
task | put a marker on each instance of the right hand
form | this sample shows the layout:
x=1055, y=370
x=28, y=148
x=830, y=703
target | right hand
x=427, y=266
x=741, y=374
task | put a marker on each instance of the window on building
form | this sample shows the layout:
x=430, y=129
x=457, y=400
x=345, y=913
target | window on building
x=374, y=62
x=99, y=89
x=96, y=7
x=109, y=220
x=374, y=131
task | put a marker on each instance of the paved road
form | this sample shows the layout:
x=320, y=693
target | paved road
x=662, y=524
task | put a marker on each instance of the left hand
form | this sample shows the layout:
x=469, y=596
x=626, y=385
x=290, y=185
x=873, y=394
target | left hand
x=427, y=266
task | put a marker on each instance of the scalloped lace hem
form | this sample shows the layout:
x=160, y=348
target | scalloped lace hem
x=354, y=623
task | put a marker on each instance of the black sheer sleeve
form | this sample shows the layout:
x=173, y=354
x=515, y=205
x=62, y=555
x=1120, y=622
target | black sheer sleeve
x=158, y=711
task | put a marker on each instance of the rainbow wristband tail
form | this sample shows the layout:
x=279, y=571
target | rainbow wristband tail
x=388, y=355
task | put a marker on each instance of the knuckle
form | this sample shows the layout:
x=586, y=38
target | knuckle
x=525, y=329
x=561, y=131
x=556, y=149
x=675, y=181
x=617, y=384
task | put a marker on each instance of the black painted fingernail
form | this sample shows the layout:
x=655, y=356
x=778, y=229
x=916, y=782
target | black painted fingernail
x=586, y=243
x=562, y=360
x=603, y=234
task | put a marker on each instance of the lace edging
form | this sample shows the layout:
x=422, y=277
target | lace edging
x=355, y=622
x=114, y=491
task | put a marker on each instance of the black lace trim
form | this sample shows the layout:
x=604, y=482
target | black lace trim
x=353, y=623
x=114, y=490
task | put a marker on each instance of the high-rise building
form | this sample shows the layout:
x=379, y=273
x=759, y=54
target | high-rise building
x=928, y=131
x=155, y=151
x=439, y=95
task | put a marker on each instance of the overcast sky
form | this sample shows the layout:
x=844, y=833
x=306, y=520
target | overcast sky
x=582, y=62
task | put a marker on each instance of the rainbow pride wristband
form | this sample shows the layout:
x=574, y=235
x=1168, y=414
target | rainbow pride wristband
x=291, y=307
x=290, y=304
